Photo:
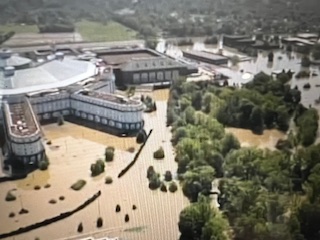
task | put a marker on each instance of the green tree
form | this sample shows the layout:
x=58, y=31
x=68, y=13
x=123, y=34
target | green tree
x=283, y=118
x=197, y=180
x=309, y=218
x=228, y=143
x=201, y=221
x=190, y=115
x=256, y=120
x=197, y=100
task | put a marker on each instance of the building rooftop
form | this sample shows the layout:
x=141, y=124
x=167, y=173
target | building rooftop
x=110, y=97
x=150, y=63
x=307, y=35
x=120, y=56
x=21, y=119
x=205, y=55
x=236, y=37
x=298, y=40
x=51, y=74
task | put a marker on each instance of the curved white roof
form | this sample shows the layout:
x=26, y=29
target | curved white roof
x=52, y=74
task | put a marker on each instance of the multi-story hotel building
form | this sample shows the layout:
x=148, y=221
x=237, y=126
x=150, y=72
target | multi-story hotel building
x=22, y=131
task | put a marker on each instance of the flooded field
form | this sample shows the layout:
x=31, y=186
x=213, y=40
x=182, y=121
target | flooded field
x=248, y=139
x=73, y=150
x=53, y=132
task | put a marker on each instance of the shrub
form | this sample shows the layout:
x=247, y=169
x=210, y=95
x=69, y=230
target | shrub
x=99, y=222
x=109, y=154
x=108, y=180
x=168, y=176
x=10, y=197
x=235, y=60
x=78, y=185
x=141, y=137
x=131, y=150
x=49, y=142
x=134, y=207
x=283, y=144
x=53, y=201
x=47, y=186
x=60, y=121
x=61, y=198
x=37, y=187
x=307, y=86
x=97, y=168
x=23, y=211
x=118, y=208
x=159, y=154
x=80, y=228
x=150, y=172
x=163, y=187
x=303, y=74
x=126, y=218
x=43, y=164
x=154, y=182
x=12, y=215
x=305, y=62
x=173, y=187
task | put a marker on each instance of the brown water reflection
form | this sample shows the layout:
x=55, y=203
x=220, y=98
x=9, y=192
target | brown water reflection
x=248, y=139
x=157, y=212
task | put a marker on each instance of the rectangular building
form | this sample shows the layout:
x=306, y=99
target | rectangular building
x=205, y=57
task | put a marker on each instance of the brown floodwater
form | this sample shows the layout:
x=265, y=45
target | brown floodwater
x=73, y=150
x=268, y=139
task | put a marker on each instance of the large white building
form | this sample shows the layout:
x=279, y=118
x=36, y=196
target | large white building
x=59, y=87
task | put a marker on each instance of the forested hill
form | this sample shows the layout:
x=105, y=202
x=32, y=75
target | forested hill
x=180, y=17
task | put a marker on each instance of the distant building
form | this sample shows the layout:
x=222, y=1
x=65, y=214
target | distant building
x=206, y=57
x=235, y=40
x=142, y=66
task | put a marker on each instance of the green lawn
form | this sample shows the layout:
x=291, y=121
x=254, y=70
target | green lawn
x=112, y=31
x=19, y=28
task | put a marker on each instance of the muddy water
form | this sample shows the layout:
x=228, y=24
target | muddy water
x=248, y=139
x=73, y=149
x=53, y=132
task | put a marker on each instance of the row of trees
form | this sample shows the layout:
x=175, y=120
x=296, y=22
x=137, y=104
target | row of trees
x=177, y=18
x=264, y=194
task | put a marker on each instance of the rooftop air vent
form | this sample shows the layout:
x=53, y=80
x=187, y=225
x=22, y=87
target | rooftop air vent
x=9, y=71
x=59, y=56
x=5, y=53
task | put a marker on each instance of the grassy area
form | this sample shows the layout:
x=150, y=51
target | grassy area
x=19, y=28
x=112, y=31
